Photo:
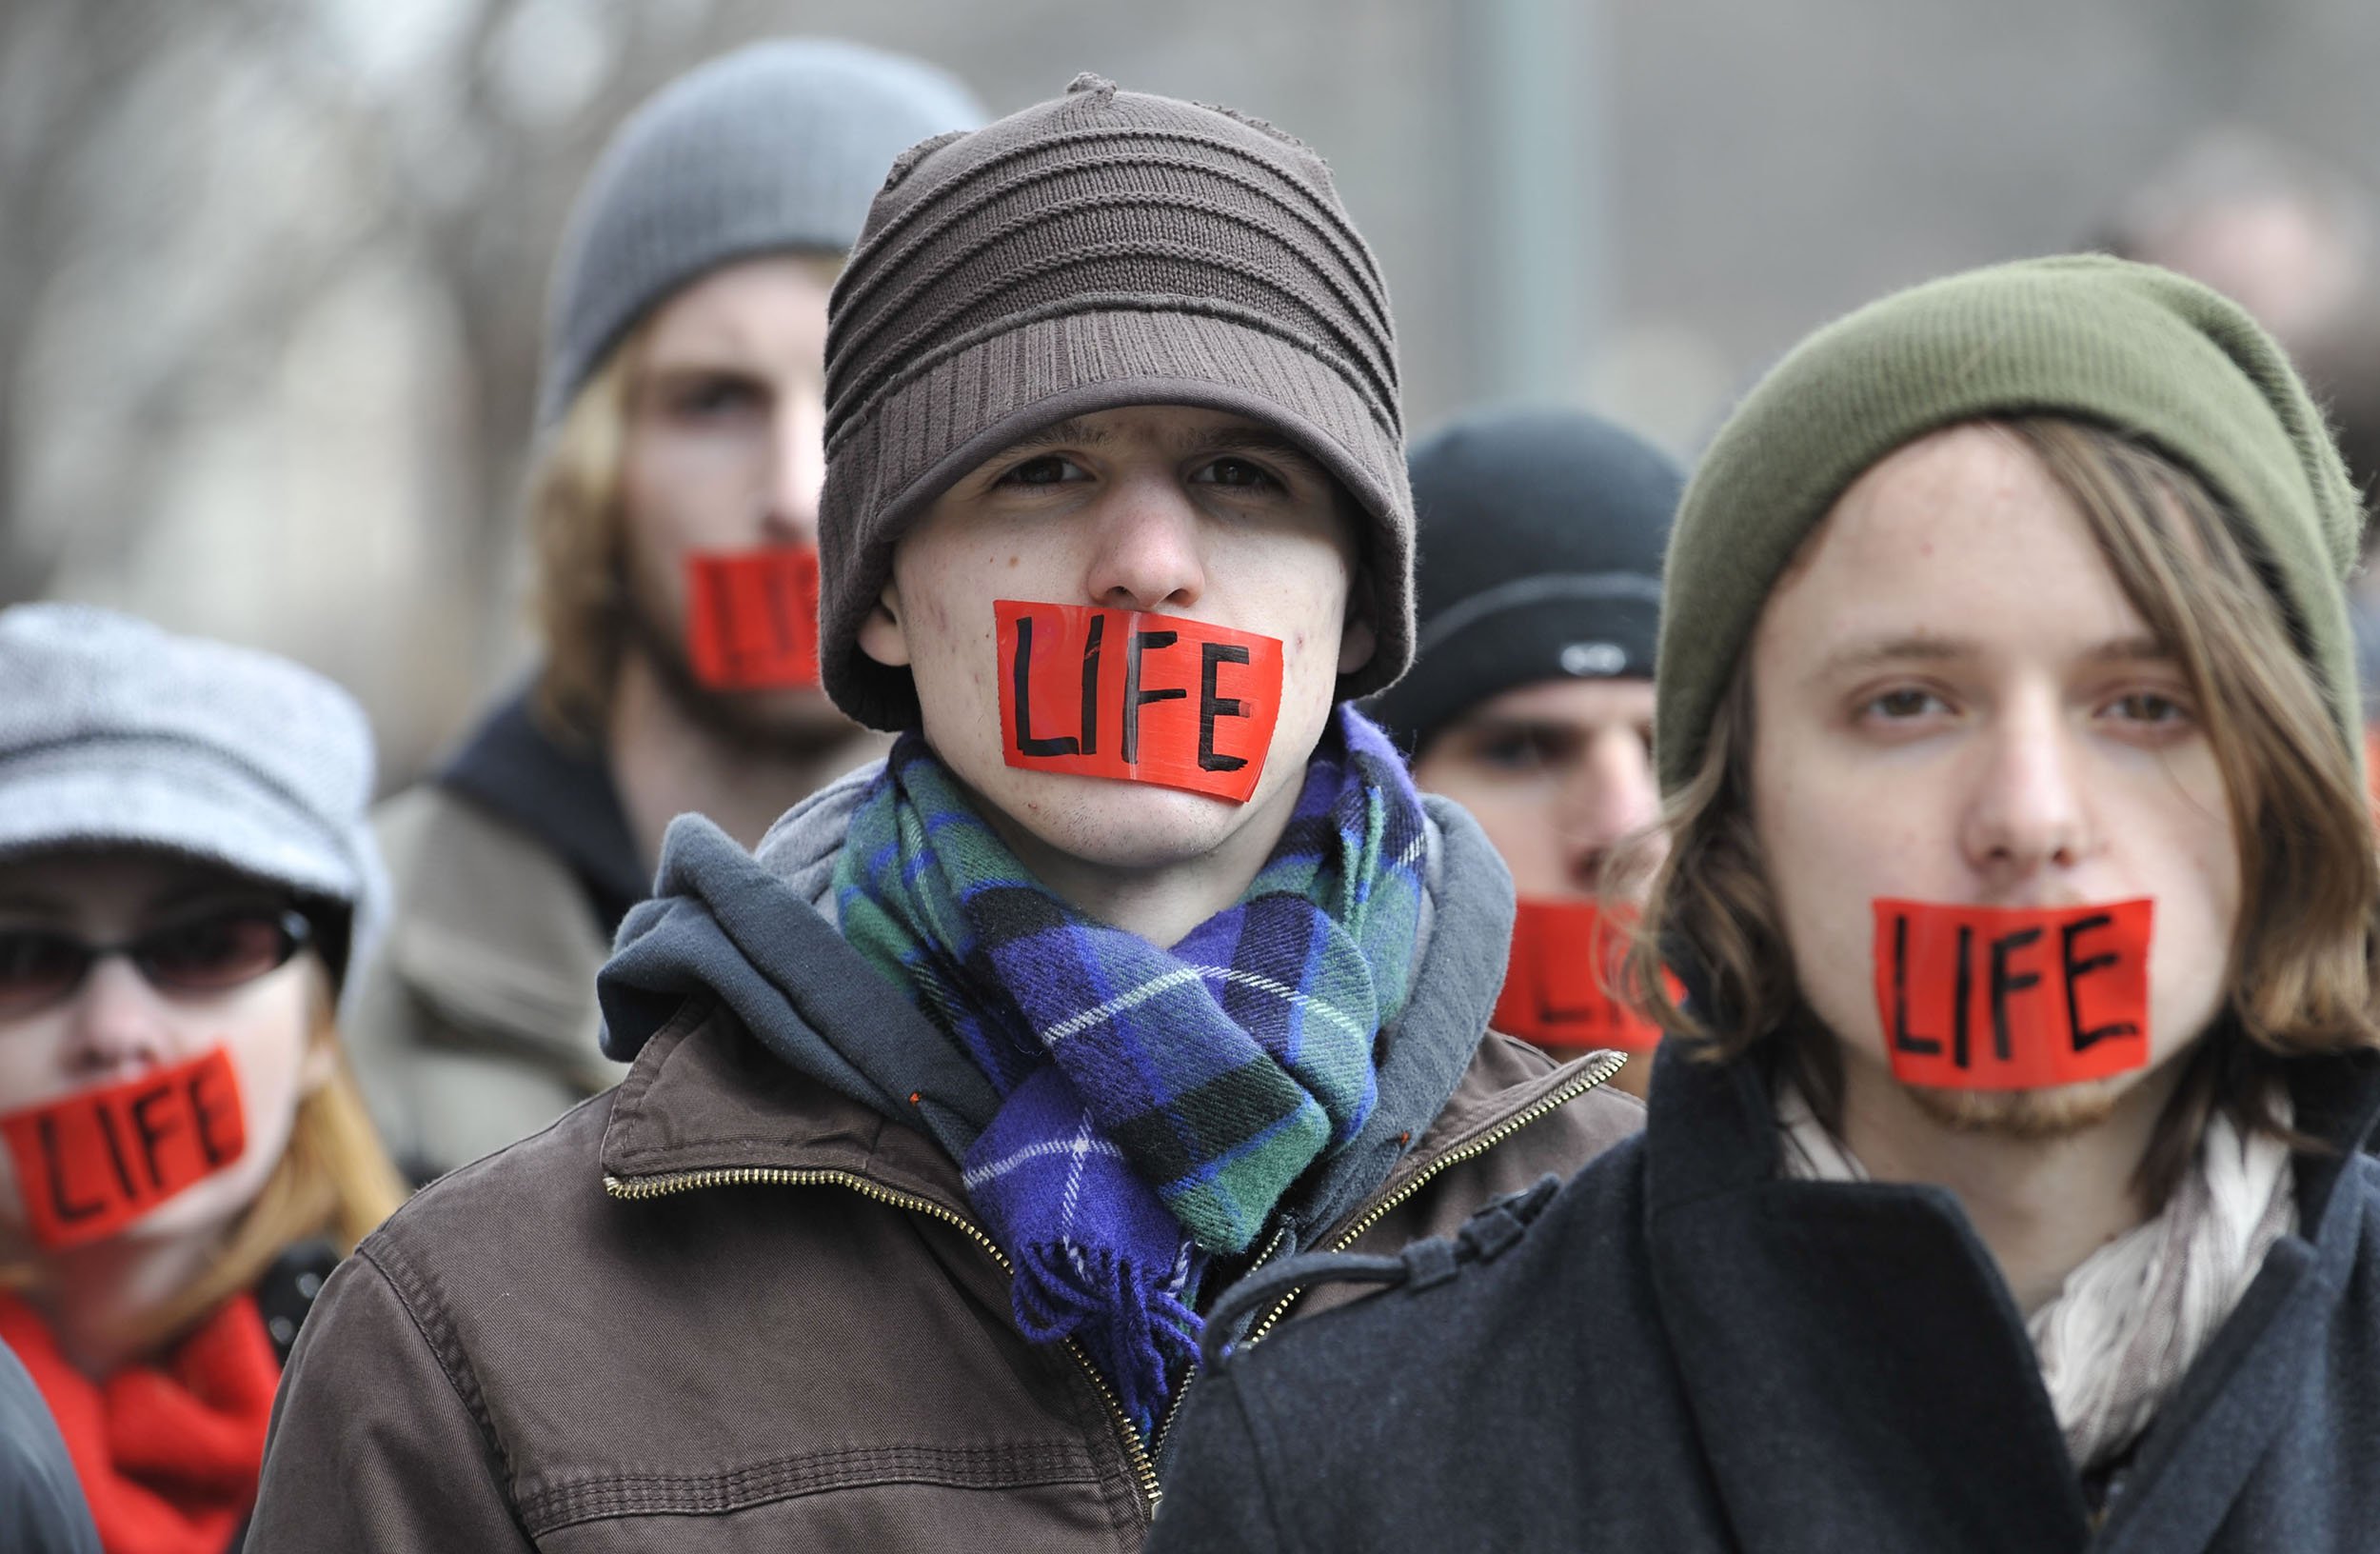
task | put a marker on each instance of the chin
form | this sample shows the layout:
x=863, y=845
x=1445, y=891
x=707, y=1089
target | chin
x=1119, y=826
x=2053, y=1113
x=792, y=709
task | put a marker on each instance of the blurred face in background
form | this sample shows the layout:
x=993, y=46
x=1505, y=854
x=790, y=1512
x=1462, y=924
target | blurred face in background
x=724, y=450
x=1556, y=772
x=214, y=964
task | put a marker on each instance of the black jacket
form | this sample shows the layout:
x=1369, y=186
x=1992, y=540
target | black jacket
x=1681, y=1351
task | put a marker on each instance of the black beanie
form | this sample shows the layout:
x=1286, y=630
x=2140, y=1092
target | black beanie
x=1541, y=534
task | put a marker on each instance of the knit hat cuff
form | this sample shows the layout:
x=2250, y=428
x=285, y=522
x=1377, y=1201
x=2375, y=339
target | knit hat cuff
x=888, y=466
x=1522, y=633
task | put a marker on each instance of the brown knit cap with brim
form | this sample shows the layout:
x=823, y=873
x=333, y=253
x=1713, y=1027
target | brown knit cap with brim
x=1103, y=250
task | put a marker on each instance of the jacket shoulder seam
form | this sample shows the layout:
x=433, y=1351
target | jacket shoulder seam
x=438, y=1335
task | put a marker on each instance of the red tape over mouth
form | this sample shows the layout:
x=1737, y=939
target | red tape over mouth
x=1136, y=697
x=92, y=1163
x=1992, y=998
x=1559, y=988
x=752, y=618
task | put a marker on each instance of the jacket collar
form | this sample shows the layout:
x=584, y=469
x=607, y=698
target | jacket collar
x=745, y=931
x=1854, y=1345
x=562, y=796
x=705, y=1105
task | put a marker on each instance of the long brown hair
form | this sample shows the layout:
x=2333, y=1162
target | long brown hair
x=2303, y=972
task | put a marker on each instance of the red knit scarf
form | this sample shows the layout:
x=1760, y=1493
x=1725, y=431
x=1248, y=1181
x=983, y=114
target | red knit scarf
x=168, y=1453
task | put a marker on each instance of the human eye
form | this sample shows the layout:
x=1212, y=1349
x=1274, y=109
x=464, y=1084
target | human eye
x=1239, y=472
x=712, y=396
x=1900, y=705
x=1509, y=751
x=2149, y=711
x=1044, y=469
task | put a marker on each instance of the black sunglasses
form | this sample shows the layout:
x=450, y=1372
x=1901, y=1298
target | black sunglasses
x=202, y=954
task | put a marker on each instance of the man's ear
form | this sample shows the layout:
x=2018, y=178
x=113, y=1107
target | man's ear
x=881, y=636
x=1357, y=641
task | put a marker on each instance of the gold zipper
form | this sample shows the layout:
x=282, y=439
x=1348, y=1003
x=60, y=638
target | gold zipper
x=1595, y=1075
x=639, y=1187
x=1189, y=1376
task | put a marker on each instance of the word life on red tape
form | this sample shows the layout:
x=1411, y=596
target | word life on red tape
x=92, y=1163
x=752, y=618
x=1559, y=987
x=1136, y=697
x=1987, y=998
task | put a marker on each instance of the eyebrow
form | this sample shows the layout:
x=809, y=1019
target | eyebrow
x=1928, y=648
x=1081, y=431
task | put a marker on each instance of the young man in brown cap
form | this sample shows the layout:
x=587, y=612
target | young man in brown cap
x=1138, y=964
x=2002, y=1184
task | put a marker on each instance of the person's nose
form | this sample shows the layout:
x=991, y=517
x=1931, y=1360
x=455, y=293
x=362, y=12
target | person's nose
x=118, y=1026
x=797, y=467
x=1609, y=794
x=2026, y=809
x=1145, y=552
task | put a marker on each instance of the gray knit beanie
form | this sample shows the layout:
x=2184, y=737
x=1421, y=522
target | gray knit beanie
x=1102, y=249
x=776, y=147
x=114, y=733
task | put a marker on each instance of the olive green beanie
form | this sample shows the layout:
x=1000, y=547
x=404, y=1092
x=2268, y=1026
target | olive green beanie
x=2130, y=347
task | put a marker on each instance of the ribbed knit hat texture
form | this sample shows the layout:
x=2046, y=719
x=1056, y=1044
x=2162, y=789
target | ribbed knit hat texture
x=115, y=733
x=1102, y=249
x=776, y=147
x=1540, y=541
x=2125, y=346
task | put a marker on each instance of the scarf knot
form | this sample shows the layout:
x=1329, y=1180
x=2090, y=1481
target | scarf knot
x=1156, y=1104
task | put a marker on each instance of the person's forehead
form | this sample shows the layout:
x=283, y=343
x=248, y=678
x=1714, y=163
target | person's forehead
x=738, y=304
x=1964, y=533
x=1565, y=701
x=59, y=881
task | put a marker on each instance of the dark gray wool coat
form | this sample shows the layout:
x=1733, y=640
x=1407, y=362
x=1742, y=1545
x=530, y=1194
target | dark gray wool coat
x=1681, y=1351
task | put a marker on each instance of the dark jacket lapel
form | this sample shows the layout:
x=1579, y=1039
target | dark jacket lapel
x=1852, y=1360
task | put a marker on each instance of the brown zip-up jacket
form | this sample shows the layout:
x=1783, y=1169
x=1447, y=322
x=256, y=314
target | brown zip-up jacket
x=723, y=1307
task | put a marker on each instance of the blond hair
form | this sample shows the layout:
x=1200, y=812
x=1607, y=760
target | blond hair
x=2302, y=973
x=578, y=530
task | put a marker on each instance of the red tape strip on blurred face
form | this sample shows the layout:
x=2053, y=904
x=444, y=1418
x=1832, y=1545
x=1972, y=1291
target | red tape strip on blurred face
x=1136, y=697
x=92, y=1163
x=1558, y=990
x=1986, y=998
x=752, y=618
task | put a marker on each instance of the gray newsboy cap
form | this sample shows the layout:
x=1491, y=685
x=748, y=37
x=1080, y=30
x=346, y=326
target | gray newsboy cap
x=115, y=733
x=776, y=147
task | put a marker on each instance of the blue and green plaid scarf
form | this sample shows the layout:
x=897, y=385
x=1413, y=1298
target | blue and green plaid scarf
x=1154, y=1104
